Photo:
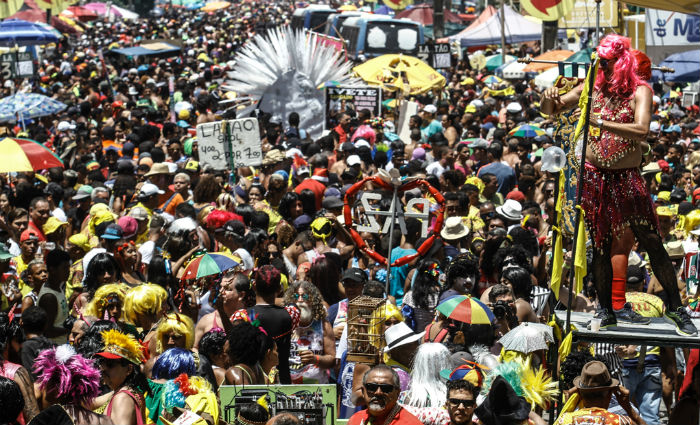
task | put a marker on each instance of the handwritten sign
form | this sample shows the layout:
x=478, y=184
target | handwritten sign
x=243, y=144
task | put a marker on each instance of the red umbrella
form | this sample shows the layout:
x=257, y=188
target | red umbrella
x=423, y=14
x=82, y=14
x=26, y=155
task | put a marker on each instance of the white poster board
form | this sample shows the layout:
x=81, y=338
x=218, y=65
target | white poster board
x=406, y=111
x=245, y=144
x=666, y=28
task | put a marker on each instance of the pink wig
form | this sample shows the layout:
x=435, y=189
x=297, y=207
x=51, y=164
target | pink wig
x=73, y=378
x=365, y=132
x=624, y=80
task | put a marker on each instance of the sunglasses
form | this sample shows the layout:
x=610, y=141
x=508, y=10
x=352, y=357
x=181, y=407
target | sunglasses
x=386, y=388
x=304, y=297
x=491, y=214
x=457, y=401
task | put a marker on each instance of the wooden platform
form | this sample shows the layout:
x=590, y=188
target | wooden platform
x=659, y=332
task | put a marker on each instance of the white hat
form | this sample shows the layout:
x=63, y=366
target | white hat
x=400, y=334
x=133, y=71
x=293, y=151
x=514, y=107
x=511, y=210
x=454, y=229
x=150, y=81
x=654, y=126
x=353, y=160
x=65, y=126
x=477, y=103
x=431, y=109
x=361, y=142
x=149, y=189
x=133, y=91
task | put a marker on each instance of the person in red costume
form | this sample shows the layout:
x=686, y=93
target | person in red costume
x=614, y=195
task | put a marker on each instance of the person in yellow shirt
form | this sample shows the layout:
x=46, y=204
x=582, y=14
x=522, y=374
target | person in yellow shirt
x=29, y=245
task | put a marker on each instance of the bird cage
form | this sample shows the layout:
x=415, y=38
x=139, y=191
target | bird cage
x=365, y=322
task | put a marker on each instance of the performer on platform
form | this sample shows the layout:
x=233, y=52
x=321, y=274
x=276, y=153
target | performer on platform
x=614, y=194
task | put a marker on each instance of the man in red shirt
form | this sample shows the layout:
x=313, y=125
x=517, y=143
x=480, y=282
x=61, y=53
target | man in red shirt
x=316, y=183
x=380, y=389
x=343, y=128
x=39, y=212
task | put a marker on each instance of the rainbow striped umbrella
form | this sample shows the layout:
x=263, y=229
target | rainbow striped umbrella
x=25, y=155
x=209, y=264
x=527, y=131
x=466, y=309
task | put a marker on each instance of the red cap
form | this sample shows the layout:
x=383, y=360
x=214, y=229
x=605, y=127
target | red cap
x=28, y=234
x=696, y=194
x=516, y=195
x=107, y=355
x=320, y=174
x=664, y=165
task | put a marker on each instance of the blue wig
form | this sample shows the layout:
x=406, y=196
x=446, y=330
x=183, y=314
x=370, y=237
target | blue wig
x=172, y=363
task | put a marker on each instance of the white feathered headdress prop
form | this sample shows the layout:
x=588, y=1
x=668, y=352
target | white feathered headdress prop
x=284, y=71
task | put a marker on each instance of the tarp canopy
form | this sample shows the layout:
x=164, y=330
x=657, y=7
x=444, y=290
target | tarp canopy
x=423, y=14
x=148, y=50
x=518, y=29
x=685, y=65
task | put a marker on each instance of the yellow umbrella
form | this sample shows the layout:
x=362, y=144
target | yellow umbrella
x=347, y=7
x=400, y=72
x=214, y=6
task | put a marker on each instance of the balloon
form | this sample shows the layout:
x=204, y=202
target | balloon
x=553, y=159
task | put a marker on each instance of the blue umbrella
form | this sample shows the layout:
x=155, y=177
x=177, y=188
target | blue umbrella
x=22, y=33
x=685, y=65
x=28, y=105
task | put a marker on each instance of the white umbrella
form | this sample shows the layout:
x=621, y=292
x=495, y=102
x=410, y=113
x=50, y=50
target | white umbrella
x=527, y=337
x=547, y=78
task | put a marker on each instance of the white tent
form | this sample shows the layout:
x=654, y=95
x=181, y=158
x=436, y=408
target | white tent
x=514, y=70
x=547, y=78
x=518, y=29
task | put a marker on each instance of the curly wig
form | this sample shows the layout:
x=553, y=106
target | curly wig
x=178, y=324
x=315, y=298
x=173, y=362
x=73, y=378
x=103, y=295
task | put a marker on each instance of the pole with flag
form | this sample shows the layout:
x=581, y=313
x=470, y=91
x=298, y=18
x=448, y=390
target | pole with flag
x=578, y=253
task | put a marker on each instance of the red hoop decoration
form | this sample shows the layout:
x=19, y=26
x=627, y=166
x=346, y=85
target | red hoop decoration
x=423, y=248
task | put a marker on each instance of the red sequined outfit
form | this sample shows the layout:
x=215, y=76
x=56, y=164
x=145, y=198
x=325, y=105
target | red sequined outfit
x=612, y=199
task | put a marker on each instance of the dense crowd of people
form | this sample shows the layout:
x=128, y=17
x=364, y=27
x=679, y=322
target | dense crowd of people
x=100, y=324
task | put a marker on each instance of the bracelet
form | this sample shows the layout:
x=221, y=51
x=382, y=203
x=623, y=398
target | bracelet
x=648, y=150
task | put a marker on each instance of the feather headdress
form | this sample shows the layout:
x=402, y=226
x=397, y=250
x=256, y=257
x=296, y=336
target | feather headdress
x=73, y=378
x=120, y=345
x=281, y=72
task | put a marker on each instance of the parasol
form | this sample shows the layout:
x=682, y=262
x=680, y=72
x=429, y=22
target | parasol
x=400, y=72
x=527, y=337
x=28, y=105
x=214, y=6
x=23, y=155
x=208, y=265
x=466, y=309
x=527, y=131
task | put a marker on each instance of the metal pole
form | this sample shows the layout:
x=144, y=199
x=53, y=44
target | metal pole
x=391, y=236
x=597, y=22
x=579, y=192
x=503, y=31
x=438, y=19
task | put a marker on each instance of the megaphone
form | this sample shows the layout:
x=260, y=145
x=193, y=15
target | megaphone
x=553, y=159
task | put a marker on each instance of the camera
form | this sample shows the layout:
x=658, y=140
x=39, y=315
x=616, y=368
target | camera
x=501, y=309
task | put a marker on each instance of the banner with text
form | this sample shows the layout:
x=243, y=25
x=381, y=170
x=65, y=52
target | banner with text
x=355, y=98
x=665, y=28
x=218, y=145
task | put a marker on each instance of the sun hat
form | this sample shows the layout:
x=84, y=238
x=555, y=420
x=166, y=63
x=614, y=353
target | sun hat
x=400, y=334
x=510, y=210
x=454, y=229
x=595, y=376
x=118, y=345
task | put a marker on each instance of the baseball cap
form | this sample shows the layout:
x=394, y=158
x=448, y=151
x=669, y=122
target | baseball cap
x=28, y=234
x=113, y=232
x=138, y=213
x=149, y=189
x=354, y=274
x=129, y=226
x=65, y=126
x=431, y=109
x=52, y=224
x=4, y=252
x=353, y=160
x=332, y=202
x=83, y=192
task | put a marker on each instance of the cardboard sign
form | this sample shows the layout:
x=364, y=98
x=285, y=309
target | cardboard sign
x=355, y=98
x=437, y=55
x=583, y=15
x=664, y=28
x=242, y=144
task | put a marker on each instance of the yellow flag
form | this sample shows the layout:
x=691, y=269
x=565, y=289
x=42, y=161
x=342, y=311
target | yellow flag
x=580, y=260
x=562, y=196
x=557, y=261
x=583, y=100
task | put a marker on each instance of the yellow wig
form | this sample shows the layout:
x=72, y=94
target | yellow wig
x=144, y=299
x=96, y=307
x=179, y=324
